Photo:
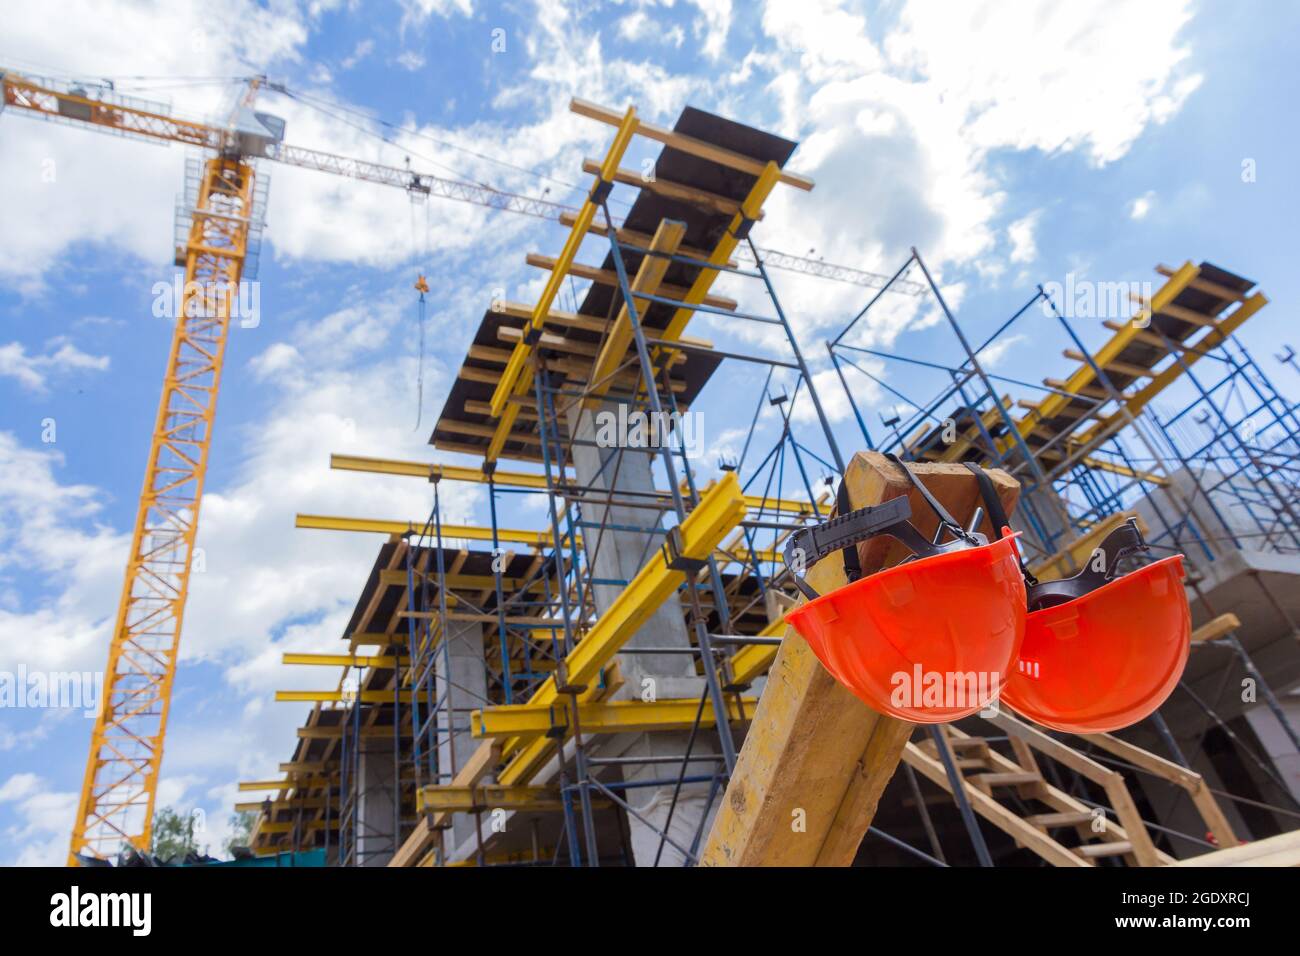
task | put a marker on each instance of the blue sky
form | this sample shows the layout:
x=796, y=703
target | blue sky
x=1012, y=142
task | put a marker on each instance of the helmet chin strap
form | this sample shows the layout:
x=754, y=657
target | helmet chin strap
x=848, y=529
x=1124, y=541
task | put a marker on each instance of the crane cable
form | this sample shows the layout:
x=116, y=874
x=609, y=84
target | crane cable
x=421, y=286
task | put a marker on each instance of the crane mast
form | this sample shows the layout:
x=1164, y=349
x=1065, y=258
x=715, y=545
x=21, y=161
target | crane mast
x=120, y=784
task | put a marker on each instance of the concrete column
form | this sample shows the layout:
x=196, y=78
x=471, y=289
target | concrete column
x=461, y=678
x=618, y=555
x=376, y=821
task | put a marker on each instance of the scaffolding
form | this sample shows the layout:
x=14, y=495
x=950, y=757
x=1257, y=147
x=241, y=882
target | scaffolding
x=576, y=694
x=1212, y=478
x=556, y=627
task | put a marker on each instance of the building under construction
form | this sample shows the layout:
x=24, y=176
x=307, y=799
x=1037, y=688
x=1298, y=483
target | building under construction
x=617, y=686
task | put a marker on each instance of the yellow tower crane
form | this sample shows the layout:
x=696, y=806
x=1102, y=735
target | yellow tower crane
x=224, y=224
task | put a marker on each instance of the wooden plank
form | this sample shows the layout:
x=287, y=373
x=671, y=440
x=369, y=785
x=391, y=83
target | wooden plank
x=1001, y=817
x=1055, y=798
x=1191, y=781
x=815, y=752
x=649, y=276
x=638, y=240
x=1221, y=626
x=1113, y=782
x=670, y=190
x=610, y=277
x=1115, y=365
x=686, y=144
x=1280, y=850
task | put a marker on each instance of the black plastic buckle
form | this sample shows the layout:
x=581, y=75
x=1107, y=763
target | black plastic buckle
x=673, y=556
x=741, y=232
x=600, y=191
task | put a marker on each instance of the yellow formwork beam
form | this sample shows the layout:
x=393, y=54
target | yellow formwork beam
x=600, y=717
x=1083, y=376
x=768, y=504
x=537, y=539
x=687, y=144
x=1115, y=468
x=453, y=799
x=287, y=826
x=719, y=511
x=513, y=383
x=287, y=784
x=648, y=276
x=749, y=211
x=344, y=660
x=293, y=803
x=1164, y=379
x=429, y=470
x=753, y=660
x=523, y=479
x=339, y=696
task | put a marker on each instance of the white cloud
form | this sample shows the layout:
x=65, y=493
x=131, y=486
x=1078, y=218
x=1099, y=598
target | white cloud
x=993, y=353
x=713, y=24
x=1024, y=249
x=901, y=131
x=417, y=11
x=32, y=371
x=410, y=60
x=642, y=27
x=1139, y=207
x=45, y=821
x=362, y=50
x=1043, y=75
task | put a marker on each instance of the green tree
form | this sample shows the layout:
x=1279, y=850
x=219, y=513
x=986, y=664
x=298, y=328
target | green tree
x=241, y=830
x=173, y=835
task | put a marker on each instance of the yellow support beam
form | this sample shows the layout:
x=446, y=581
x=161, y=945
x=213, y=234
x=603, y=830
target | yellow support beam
x=1164, y=379
x=453, y=799
x=767, y=505
x=721, y=508
x=339, y=696
x=648, y=276
x=513, y=382
x=1053, y=404
x=686, y=144
x=537, y=539
x=749, y=211
x=287, y=784
x=753, y=660
x=293, y=803
x=343, y=660
x=286, y=826
x=600, y=717
x=429, y=470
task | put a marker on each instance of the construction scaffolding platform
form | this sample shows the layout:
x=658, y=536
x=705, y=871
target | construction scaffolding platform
x=613, y=683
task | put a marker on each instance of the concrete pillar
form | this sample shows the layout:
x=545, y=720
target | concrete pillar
x=617, y=555
x=376, y=819
x=461, y=678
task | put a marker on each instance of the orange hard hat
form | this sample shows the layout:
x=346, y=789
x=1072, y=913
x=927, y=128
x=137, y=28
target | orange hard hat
x=930, y=640
x=1107, y=659
x=1102, y=650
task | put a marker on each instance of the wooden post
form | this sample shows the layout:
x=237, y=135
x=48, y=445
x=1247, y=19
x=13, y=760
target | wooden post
x=816, y=758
